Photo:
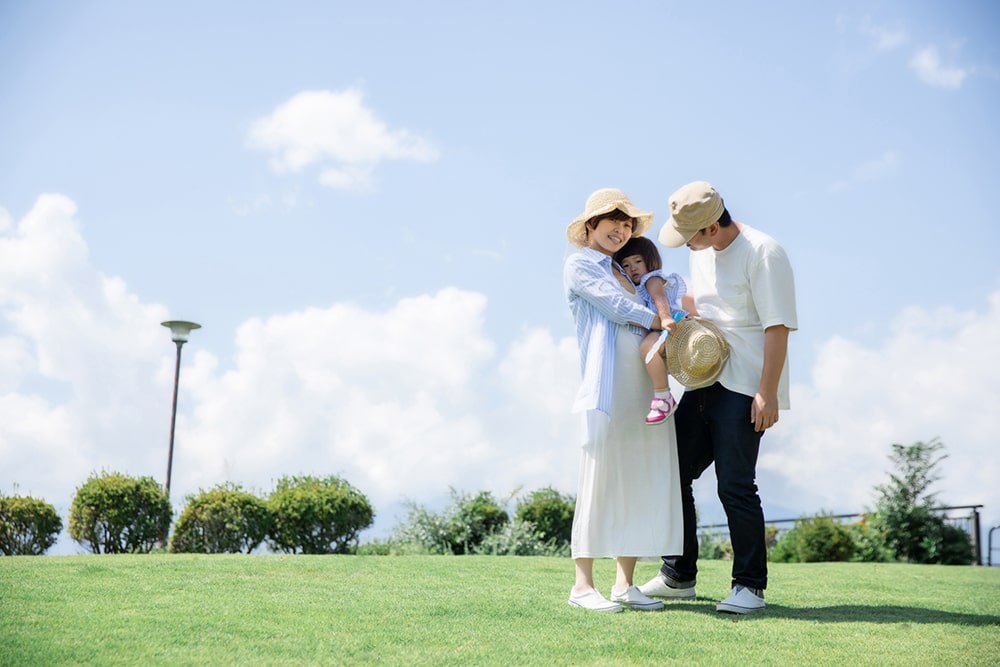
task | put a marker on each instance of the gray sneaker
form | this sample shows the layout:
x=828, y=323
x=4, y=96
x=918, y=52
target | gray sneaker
x=661, y=587
x=742, y=600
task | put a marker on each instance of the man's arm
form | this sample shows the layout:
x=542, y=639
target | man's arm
x=687, y=303
x=764, y=411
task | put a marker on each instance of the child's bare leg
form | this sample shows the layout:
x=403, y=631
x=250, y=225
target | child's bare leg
x=656, y=367
x=663, y=402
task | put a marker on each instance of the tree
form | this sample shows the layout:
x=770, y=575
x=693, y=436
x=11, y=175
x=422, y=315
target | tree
x=551, y=512
x=913, y=530
x=28, y=526
x=225, y=519
x=113, y=513
x=317, y=516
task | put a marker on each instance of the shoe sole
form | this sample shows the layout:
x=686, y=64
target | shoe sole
x=731, y=609
x=611, y=610
x=675, y=594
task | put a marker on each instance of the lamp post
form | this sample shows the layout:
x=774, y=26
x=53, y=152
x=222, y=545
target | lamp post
x=179, y=332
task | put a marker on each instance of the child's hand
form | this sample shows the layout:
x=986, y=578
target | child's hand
x=668, y=322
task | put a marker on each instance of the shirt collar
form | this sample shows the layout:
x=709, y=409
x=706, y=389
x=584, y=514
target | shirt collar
x=597, y=257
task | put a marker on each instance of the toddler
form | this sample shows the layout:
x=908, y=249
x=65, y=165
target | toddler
x=662, y=293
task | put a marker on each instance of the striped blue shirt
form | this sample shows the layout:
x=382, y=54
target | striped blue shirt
x=600, y=308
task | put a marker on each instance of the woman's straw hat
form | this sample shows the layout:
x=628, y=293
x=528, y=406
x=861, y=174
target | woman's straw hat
x=600, y=203
x=696, y=352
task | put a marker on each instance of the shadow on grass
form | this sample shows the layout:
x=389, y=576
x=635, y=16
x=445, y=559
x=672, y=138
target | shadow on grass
x=850, y=613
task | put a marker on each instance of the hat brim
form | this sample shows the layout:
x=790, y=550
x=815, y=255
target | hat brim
x=712, y=352
x=671, y=237
x=576, y=231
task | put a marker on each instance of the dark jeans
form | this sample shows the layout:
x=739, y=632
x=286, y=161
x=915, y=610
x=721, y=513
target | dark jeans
x=713, y=424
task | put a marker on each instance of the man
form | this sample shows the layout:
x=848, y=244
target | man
x=741, y=280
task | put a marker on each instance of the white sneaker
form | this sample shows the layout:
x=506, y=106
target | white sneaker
x=742, y=600
x=593, y=601
x=659, y=587
x=633, y=598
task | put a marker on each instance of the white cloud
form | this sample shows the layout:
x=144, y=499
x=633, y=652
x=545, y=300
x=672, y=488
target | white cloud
x=409, y=401
x=928, y=66
x=337, y=132
x=885, y=39
x=391, y=400
x=81, y=348
x=870, y=171
x=935, y=375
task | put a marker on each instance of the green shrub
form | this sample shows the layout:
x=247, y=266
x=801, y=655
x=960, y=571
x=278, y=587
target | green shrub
x=376, y=548
x=114, y=513
x=955, y=547
x=472, y=519
x=818, y=539
x=870, y=545
x=460, y=529
x=28, y=526
x=422, y=532
x=317, y=516
x=551, y=513
x=225, y=519
x=515, y=538
x=715, y=546
x=520, y=538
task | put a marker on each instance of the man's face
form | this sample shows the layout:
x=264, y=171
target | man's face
x=704, y=238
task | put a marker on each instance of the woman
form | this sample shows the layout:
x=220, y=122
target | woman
x=628, y=498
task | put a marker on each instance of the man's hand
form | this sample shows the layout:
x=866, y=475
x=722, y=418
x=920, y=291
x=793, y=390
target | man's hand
x=764, y=412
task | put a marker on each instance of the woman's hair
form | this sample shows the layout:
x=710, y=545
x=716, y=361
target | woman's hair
x=640, y=245
x=616, y=214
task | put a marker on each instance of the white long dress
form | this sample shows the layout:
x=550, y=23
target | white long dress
x=628, y=499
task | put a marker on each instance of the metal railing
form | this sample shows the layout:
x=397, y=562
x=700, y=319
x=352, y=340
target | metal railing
x=968, y=521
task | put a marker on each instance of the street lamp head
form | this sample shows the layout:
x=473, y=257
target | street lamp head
x=179, y=330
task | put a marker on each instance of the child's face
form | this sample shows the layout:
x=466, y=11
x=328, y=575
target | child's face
x=635, y=267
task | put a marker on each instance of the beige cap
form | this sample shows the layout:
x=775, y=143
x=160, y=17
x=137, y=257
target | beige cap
x=692, y=208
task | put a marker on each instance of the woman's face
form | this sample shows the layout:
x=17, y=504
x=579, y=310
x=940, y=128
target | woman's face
x=609, y=235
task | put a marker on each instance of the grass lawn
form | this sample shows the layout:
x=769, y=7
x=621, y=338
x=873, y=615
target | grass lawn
x=159, y=609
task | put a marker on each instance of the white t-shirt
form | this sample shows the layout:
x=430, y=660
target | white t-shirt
x=745, y=289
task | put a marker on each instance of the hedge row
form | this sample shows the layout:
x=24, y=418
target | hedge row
x=115, y=513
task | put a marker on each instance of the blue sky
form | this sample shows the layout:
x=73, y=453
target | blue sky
x=364, y=205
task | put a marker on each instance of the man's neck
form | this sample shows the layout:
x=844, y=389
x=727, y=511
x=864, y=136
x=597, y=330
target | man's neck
x=726, y=236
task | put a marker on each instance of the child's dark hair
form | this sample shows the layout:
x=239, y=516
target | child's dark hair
x=640, y=245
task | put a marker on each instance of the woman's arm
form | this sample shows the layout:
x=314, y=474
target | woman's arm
x=588, y=280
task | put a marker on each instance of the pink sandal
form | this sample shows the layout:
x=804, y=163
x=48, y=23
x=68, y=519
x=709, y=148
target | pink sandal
x=660, y=409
